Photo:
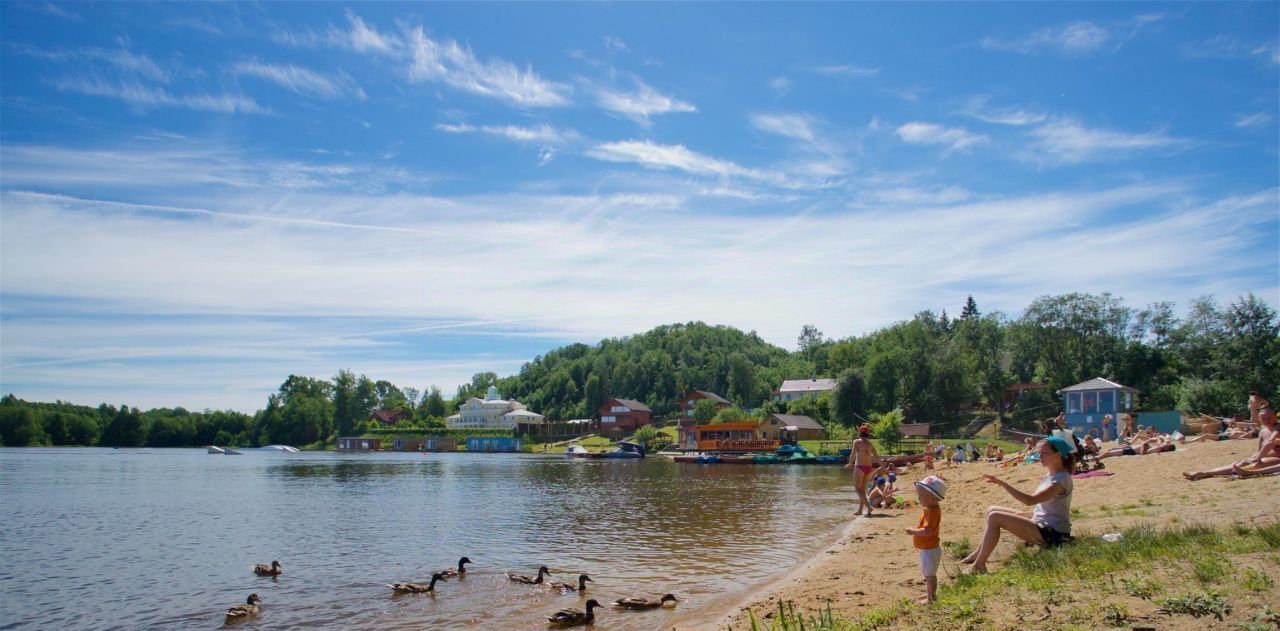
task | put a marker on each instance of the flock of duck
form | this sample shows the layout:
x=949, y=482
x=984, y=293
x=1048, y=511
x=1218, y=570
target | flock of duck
x=567, y=617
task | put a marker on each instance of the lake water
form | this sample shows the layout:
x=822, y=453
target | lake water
x=165, y=539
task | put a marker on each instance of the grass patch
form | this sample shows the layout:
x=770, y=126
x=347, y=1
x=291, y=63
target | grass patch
x=1256, y=581
x=1209, y=603
x=788, y=619
x=1270, y=535
x=1210, y=569
x=1141, y=586
x=960, y=548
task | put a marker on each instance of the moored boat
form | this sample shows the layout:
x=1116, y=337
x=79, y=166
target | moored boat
x=230, y=451
x=281, y=448
x=626, y=450
x=214, y=449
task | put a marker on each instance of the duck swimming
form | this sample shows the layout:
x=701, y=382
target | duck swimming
x=570, y=587
x=529, y=580
x=262, y=569
x=458, y=571
x=415, y=588
x=245, y=611
x=574, y=617
x=644, y=603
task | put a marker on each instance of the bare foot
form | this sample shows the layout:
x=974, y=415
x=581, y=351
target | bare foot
x=923, y=600
x=974, y=570
x=1191, y=475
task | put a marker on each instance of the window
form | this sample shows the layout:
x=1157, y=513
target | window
x=619, y=408
x=1073, y=403
x=1106, y=402
x=608, y=419
x=788, y=396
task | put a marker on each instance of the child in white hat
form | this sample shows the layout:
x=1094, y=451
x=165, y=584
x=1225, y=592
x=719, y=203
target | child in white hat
x=925, y=535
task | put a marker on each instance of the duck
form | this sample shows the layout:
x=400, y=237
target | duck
x=245, y=611
x=529, y=580
x=574, y=617
x=570, y=587
x=454, y=572
x=415, y=588
x=645, y=603
x=262, y=569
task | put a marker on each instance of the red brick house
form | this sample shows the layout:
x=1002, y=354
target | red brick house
x=623, y=415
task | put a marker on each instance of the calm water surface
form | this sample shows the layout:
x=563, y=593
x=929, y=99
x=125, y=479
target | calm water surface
x=164, y=539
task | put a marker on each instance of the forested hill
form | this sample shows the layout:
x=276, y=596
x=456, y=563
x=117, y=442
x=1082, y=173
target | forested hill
x=656, y=367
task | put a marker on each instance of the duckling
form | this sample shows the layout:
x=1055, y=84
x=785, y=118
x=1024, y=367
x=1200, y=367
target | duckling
x=415, y=588
x=574, y=617
x=459, y=571
x=262, y=569
x=644, y=603
x=529, y=580
x=243, y=612
x=570, y=587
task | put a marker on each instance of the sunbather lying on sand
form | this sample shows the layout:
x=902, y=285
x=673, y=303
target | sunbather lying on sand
x=1231, y=434
x=1268, y=453
x=1159, y=444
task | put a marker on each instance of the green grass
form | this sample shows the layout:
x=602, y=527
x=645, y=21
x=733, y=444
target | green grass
x=960, y=548
x=1256, y=581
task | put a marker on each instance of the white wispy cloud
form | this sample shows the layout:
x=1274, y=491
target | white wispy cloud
x=780, y=84
x=845, y=70
x=118, y=59
x=450, y=63
x=357, y=36
x=1071, y=39
x=144, y=96
x=615, y=45
x=1068, y=141
x=979, y=107
x=954, y=138
x=655, y=156
x=1229, y=46
x=1253, y=120
x=798, y=126
x=641, y=103
x=301, y=80
x=543, y=133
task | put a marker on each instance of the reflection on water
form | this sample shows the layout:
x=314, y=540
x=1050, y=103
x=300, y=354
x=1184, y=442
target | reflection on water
x=130, y=539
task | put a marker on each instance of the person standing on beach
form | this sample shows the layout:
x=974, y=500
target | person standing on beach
x=863, y=459
x=925, y=536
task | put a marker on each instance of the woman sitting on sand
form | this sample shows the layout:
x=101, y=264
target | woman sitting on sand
x=1049, y=524
x=1268, y=453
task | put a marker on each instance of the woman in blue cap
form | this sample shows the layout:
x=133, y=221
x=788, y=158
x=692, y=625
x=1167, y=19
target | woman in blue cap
x=1050, y=523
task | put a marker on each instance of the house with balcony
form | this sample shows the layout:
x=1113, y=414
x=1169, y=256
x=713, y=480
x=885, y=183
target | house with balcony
x=623, y=416
x=684, y=426
x=783, y=426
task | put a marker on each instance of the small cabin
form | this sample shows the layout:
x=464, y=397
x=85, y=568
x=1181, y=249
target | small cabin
x=739, y=436
x=786, y=426
x=1084, y=405
x=495, y=445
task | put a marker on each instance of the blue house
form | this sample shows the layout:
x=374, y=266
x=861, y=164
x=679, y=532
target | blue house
x=1084, y=405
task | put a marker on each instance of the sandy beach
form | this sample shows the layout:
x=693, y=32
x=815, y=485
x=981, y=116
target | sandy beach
x=873, y=562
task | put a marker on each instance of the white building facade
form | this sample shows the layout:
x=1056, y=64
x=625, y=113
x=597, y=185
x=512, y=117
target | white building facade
x=491, y=412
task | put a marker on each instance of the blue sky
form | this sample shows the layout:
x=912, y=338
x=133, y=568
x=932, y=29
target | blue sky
x=201, y=199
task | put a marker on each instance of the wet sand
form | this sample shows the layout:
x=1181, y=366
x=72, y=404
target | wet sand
x=872, y=562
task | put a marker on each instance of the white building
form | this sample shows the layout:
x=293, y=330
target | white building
x=794, y=389
x=491, y=412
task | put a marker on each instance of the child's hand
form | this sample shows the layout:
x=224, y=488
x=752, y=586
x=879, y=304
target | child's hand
x=992, y=479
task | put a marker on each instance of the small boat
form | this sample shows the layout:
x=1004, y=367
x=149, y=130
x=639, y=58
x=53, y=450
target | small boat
x=830, y=460
x=688, y=457
x=766, y=459
x=626, y=450
x=902, y=461
x=801, y=457
x=230, y=451
x=708, y=459
x=282, y=448
x=213, y=449
x=578, y=451
x=786, y=450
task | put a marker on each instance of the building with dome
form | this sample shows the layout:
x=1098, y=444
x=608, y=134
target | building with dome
x=492, y=412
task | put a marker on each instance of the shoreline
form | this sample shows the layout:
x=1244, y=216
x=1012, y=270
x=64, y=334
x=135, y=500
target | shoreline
x=872, y=563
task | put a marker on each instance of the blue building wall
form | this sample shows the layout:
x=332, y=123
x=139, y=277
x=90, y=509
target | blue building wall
x=1084, y=410
x=494, y=444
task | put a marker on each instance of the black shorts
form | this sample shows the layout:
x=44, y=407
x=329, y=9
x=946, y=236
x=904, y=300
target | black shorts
x=1053, y=538
x=1128, y=451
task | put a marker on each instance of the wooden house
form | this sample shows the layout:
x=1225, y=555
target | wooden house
x=623, y=415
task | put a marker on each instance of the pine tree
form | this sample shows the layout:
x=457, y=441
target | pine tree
x=970, y=309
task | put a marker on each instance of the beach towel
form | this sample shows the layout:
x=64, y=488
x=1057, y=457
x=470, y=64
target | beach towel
x=1092, y=474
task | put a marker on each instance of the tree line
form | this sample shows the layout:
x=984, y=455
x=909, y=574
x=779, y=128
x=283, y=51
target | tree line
x=931, y=368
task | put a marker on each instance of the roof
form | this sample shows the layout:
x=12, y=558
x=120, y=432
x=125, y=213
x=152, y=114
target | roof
x=799, y=421
x=1097, y=383
x=522, y=412
x=736, y=425
x=634, y=405
x=807, y=385
x=709, y=395
x=389, y=417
